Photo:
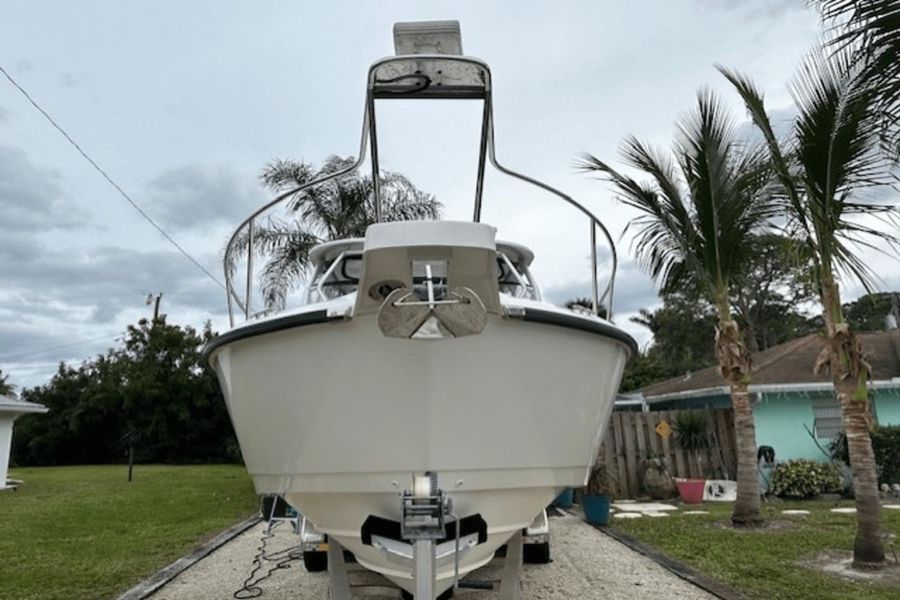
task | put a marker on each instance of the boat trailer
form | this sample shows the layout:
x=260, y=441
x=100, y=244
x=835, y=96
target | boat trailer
x=430, y=534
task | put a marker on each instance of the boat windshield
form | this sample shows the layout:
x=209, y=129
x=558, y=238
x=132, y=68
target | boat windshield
x=339, y=276
x=335, y=278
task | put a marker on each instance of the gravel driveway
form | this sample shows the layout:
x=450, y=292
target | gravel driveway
x=586, y=564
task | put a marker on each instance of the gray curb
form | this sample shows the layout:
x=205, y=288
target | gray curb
x=720, y=590
x=152, y=584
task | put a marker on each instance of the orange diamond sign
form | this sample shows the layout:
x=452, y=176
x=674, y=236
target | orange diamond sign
x=664, y=430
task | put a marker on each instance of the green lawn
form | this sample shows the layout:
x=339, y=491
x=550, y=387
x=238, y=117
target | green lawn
x=85, y=532
x=765, y=563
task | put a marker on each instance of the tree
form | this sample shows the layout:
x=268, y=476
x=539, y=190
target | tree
x=870, y=30
x=831, y=155
x=644, y=369
x=683, y=331
x=869, y=312
x=764, y=304
x=768, y=292
x=81, y=427
x=697, y=217
x=168, y=399
x=6, y=388
x=152, y=393
x=338, y=209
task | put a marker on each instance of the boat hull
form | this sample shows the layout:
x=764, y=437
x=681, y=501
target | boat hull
x=337, y=417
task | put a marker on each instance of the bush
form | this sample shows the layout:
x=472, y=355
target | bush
x=886, y=445
x=803, y=478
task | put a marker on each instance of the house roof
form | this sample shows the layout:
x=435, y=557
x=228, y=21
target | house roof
x=788, y=364
x=9, y=404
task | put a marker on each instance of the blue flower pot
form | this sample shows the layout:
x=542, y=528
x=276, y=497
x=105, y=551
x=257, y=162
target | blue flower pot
x=565, y=499
x=596, y=509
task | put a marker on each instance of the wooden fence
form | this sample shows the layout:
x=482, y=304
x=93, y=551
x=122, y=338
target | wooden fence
x=632, y=437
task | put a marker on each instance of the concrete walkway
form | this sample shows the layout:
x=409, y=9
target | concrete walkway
x=586, y=564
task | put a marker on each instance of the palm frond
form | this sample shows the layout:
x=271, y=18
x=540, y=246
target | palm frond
x=340, y=208
x=281, y=175
x=832, y=155
x=836, y=147
x=285, y=246
x=658, y=250
x=288, y=265
x=869, y=30
x=697, y=211
x=778, y=158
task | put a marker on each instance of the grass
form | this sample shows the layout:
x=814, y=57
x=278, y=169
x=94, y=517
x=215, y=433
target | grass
x=85, y=532
x=765, y=563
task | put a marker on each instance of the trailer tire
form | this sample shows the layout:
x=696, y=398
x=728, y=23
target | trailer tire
x=536, y=554
x=315, y=562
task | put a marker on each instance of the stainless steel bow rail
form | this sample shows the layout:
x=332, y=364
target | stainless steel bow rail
x=422, y=76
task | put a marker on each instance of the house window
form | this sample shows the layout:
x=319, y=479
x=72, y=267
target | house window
x=827, y=412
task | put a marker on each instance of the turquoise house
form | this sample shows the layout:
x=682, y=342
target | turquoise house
x=795, y=410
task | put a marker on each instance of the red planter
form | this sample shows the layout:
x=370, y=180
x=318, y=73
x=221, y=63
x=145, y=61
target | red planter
x=691, y=490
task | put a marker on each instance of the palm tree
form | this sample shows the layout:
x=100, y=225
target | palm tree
x=6, y=388
x=871, y=30
x=338, y=209
x=831, y=155
x=698, y=216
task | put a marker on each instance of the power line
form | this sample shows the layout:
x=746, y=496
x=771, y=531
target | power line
x=108, y=178
x=10, y=357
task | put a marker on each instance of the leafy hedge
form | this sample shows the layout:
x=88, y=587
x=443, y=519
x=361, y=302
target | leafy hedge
x=886, y=445
x=803, y=478
x=152, y=394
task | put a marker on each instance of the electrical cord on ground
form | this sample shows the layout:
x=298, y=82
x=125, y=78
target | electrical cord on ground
x=282, y=559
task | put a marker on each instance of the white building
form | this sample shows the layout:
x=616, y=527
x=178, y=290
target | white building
x=10, y=408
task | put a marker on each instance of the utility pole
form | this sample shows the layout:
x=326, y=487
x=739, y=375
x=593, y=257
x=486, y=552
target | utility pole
x=154, y=299
x=130, y=436
x=130, y=460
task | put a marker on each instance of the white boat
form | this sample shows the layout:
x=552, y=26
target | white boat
x=424, y=403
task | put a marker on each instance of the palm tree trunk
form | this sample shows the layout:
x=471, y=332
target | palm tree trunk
x=868, y=548
x=849, y=373
x=734, y=365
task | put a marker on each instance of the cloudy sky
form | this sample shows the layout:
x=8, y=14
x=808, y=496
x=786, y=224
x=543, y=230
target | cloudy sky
x=182, y=103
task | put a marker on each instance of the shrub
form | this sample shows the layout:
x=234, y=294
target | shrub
x=600, y=482
x=692, y=434
x=803, y=478
x=886, y=445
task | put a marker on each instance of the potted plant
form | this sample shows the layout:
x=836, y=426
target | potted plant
x=691, y=434
x=655, y=478
x=597, y=494
x=565, y=499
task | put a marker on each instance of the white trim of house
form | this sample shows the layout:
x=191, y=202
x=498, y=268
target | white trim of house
x=10, y=405
x=766, y=388
x=10, y=409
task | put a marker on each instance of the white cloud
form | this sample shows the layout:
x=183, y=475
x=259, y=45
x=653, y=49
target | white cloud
x=201, y=197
